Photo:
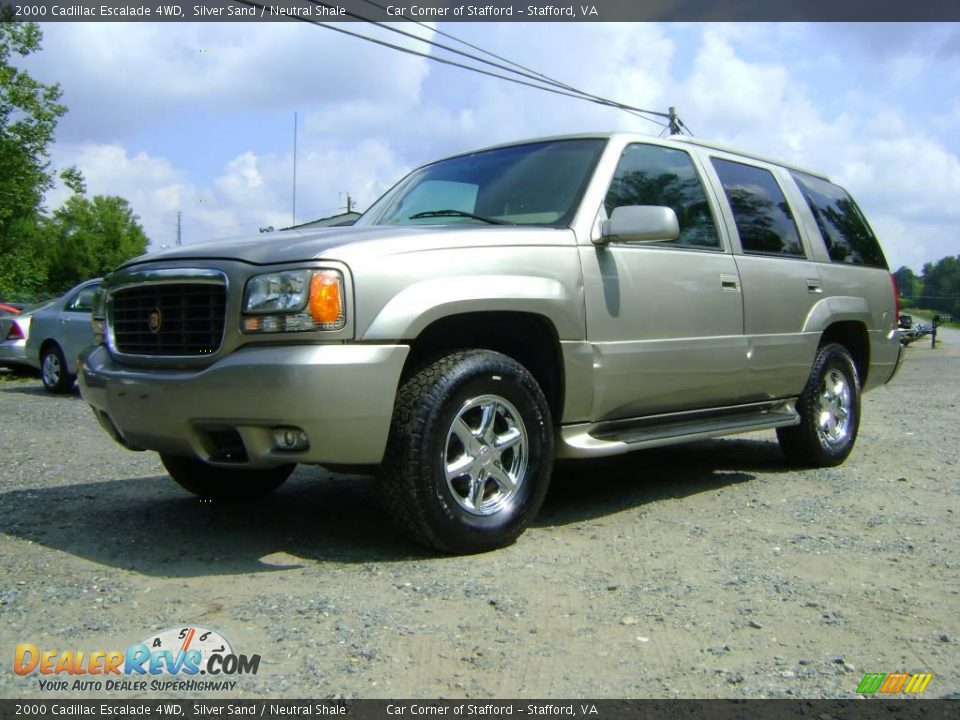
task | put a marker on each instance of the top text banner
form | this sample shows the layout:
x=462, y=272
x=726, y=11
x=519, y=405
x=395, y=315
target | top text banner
x=494, y=11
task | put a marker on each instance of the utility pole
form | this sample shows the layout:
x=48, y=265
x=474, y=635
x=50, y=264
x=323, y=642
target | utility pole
x=349, y=203
x=179, y=230
x=674, y=121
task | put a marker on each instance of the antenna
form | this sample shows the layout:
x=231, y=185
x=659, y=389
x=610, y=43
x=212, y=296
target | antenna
x=294, y=213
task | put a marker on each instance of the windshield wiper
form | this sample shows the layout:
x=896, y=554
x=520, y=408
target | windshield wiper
x=457, y=213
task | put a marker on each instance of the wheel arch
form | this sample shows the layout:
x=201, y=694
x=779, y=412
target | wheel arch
x=529, y=338
x=44, y=345
x=851, y=334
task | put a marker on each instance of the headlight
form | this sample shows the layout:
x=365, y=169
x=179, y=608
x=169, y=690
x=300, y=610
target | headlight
x=277, y=292
x=294, y=301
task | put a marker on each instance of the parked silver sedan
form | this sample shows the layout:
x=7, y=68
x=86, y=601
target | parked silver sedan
x=58, y=332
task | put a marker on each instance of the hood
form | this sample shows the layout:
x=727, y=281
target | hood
x=275, y=247
x=339, y=243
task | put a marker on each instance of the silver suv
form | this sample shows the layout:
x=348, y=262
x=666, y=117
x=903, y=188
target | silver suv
x=563, y=297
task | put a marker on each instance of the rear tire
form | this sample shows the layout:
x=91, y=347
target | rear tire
x=219, y=483
x=54, y=372
x=829, y=410
x=470, y=453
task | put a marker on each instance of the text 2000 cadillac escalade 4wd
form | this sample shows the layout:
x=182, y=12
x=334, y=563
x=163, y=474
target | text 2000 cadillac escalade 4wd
x=563, y=297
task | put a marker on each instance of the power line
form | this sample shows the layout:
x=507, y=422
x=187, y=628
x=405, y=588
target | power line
x=438, y=31
x=447, y=61
x=523, y=71
x=683, y=126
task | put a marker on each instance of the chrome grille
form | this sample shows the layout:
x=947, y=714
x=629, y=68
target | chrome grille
x=173, y=319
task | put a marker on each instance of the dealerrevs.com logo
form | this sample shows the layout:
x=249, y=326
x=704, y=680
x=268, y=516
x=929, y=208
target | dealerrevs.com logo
x=169, y=660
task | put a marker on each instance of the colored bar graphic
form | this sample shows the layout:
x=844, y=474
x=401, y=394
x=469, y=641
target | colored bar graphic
x=871, y=683
x=918, y=683
x=894, y=683
x=912, y=683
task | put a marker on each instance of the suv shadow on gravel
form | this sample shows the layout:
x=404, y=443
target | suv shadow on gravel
x=328, y=518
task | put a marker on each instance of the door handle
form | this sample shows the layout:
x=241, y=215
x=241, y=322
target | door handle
x=729, y=283
x=814, y=286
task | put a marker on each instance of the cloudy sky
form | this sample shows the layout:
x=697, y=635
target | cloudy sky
x=199, y=117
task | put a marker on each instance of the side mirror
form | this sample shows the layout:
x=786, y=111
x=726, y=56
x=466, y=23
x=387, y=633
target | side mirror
x=640, y=223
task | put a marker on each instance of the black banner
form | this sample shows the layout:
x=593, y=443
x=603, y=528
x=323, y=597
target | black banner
x=120, y=709
x=489, y=11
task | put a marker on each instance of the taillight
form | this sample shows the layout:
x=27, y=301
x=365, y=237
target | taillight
x=896, y=300
x=15, y=332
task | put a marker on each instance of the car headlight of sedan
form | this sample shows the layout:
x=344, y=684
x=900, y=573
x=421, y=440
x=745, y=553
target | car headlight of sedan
x=294, y=301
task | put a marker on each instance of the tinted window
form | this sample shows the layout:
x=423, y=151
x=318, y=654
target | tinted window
x=844, y=229
x=652, y=175
x=760, y=209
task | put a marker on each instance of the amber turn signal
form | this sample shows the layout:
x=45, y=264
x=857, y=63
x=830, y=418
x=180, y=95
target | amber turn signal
x=326, y=299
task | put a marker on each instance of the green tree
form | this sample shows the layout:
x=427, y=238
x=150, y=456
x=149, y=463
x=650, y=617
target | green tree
x=909, y=285
x=941, y=285
x=29, y=111
x=90, y=237
x=73, y=179
x=83, y=238
x=23, y=270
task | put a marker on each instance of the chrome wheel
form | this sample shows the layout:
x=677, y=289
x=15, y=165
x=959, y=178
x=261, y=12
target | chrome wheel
x=833, y=407
x=485, y=455
x=468, y=461
x=51, y=369
x=828, y=410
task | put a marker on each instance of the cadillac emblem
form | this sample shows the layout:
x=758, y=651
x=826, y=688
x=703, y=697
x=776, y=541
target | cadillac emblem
x=155, y=320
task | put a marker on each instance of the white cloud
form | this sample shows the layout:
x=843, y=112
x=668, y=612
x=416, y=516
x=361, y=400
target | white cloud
x=120, y=76
x=815, y=95
x=871, y=147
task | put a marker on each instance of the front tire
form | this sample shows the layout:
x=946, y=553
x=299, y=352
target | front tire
x=470, y=453
x=219, y=483
x=54, y=372
x=829, y=410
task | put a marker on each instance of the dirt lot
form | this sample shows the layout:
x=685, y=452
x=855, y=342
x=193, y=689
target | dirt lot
x=710, y=570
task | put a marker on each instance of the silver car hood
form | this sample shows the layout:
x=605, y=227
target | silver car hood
x=341, y=243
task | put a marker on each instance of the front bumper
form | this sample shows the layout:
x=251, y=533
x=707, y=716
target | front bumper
x=340, y=395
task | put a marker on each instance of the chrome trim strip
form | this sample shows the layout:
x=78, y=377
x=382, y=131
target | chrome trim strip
x=132, y=278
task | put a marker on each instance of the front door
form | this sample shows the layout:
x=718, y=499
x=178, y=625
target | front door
x=665, y=319
x=76, y=331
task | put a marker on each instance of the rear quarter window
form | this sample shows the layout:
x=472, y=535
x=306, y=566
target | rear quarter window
x=843, y=227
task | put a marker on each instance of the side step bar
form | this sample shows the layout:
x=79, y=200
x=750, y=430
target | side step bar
x=621, y=436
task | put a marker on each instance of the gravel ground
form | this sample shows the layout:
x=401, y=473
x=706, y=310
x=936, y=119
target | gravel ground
x=708, y=570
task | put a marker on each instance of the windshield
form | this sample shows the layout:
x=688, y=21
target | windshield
x=534, y=184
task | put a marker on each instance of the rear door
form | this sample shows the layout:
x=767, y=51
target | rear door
x=780, y=282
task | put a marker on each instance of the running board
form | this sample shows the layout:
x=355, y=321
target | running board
x=622, y=436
